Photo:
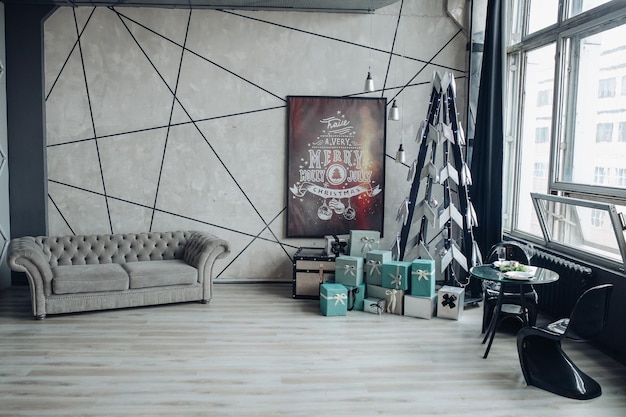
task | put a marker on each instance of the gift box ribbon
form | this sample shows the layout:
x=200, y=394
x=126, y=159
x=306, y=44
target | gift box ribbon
x=349, y=269
x=367, y=243
x=339, y=298
x=374, y=266
x=391, y=300
x=422, y=274
x=352, y=298
x=396, y=279
x=379, y=307
x=338, y=247
x=448, y=300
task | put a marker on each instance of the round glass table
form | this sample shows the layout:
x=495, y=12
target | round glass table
x=489, y=272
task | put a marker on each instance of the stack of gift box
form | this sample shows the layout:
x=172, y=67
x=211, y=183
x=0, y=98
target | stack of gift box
x=368, y=279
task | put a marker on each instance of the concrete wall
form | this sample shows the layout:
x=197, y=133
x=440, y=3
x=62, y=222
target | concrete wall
x=165, y=119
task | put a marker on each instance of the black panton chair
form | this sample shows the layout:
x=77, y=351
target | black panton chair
x=544, y=363
x=511, y=299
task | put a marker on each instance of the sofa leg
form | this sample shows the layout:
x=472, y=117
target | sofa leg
x=204, y=301
x=40, y=317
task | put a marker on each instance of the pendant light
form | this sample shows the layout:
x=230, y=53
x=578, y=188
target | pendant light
x=400, y=155
x=369, y=83
x=394, y=112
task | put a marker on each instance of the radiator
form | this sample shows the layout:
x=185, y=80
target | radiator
x=557, y=300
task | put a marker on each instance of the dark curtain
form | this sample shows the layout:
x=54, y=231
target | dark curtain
x=486, y=163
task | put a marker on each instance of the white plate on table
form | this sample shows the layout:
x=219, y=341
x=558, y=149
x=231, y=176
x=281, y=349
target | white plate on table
x=498, y=264
x=520, y=275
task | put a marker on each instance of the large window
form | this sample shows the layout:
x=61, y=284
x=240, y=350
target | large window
x=566, y=107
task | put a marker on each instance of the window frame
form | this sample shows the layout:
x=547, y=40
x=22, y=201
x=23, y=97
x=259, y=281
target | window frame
x=595, y=20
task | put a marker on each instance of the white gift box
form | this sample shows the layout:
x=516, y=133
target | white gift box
x=420, y=307
x=450, y=302
x=374, y=305
x=337, y=245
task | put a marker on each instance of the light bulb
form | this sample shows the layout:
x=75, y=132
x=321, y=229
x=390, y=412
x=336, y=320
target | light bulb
x=369, y=83
x=400, y=155
x=394, y=112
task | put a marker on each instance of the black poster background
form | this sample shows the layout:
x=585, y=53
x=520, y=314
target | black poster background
x=336, y=165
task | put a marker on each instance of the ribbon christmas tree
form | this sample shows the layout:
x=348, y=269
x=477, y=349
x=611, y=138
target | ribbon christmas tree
x=438, y=216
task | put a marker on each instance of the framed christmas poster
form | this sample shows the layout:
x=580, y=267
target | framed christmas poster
x=336, y=165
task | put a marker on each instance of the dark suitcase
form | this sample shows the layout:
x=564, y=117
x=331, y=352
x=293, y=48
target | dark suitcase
x=311, y=267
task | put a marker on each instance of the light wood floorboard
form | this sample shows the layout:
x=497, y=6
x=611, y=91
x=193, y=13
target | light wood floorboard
x=255, y=351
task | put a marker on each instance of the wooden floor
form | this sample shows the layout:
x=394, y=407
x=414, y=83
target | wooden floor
x=254, y=351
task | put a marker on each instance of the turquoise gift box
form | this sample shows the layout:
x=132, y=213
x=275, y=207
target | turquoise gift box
x=363, y=241
x=374, y=261
x=349, y=270
x=396, y=275
x=423, y=277
x=356, y=297
x=333, y=299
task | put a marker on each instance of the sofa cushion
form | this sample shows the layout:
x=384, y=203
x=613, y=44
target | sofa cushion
x=159, y=273
x=77, y=279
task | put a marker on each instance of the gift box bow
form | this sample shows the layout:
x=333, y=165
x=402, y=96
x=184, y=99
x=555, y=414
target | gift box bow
x=396, y=279
x=391, y=300
x=380, y=309
x=338, y=247
x=448, y=300
x=374, y=266
x=339, y=298
x=368, y=243
x=349, y=269
x=422, y=274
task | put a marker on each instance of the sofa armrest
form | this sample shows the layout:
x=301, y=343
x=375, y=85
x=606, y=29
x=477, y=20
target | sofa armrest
x=201, y=251
x=26, y=255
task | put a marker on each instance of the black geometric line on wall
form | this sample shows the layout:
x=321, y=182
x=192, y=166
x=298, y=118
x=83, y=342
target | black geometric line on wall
x=258, y=237
x=371, y=48
x=177, y=124
x=169, y=213
x=93, y=123
x=224, y=166
x=393, y=45
x=121, y=15
x=196, y=121
x=61, y=213
x=425, y=65
x=169, y=122
x=54, y=83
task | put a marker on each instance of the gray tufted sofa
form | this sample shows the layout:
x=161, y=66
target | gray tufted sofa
x=98, y=272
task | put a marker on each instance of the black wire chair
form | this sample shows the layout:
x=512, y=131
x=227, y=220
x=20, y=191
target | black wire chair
x=543, y=361
x=511, y=298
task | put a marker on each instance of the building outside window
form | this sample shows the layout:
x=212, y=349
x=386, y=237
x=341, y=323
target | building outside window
x=597, y=218
x=620, y=177
x=606, y=88
x=621, y=133
x=604, y=132
x=542, y=134
x=600, y=175
x=576, y=51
